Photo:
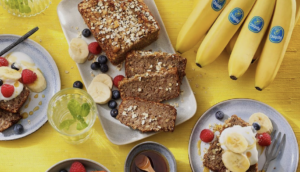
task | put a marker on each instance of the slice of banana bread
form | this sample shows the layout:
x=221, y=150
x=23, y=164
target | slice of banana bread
x=15, y=104
x=147, y=116
x=119, y=26
x=152, y=86
x=7, y=119
x=213, y=158
x=139, y=62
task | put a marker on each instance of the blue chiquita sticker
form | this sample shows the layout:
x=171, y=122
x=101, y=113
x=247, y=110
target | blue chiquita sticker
x=256, y=24
x=277, y=34
x=236, y=16
x=217, y=5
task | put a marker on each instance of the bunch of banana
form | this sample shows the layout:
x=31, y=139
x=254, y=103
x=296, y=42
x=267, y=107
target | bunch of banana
x=223, y=30
x=198, y=23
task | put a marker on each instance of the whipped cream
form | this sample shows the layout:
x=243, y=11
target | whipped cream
x=21, y=60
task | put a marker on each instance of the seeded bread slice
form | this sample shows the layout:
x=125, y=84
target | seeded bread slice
x=152, y=86
x=15, y=104
x=147, y=116
x=140, y=62
x=213, y=158
x=7, y=119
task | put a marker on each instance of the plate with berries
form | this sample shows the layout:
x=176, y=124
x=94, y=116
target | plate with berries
x=235, y=135
x=25, y=87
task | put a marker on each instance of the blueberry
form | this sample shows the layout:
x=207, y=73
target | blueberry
x=95, y=66
x=78, y=84
x=114, y=112
x=86, y=33
x=102, y=59
x=1, y=82
x=63, y=170
x=14, y=66
x=115, y=94
x=219, y=115
x=256, y=126
x=112, y=104
x=103, y=68
x=18, y=128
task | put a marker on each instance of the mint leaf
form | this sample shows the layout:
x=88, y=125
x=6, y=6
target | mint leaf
x=85, y=109
x=74, y=108
x=66, y=124
x=82, y=124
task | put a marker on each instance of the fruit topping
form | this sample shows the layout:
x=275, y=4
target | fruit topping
x=207, y=135
x=114, y=113
x=78, y=84
x=219, y=115
x=77, y=167
x=264, y=122
x=28, y=76
x=1, y=82
x=235, y=161
x=236, y=142
x=117, y=79
x=116, y=94
x=15, y=66
x=63, y=170
x=256, y=126
x=18, y=129
x=102, y=59
x=103, y=68
x=78, y=50
x=264, y=139
x=3, y=62
x=105, y=79
x=9, y=73
x=86, y=32
x=95, y=66
x=100, y=92
x=112, y=104
x=7, y=90
x=40, y=84
x=94, y=48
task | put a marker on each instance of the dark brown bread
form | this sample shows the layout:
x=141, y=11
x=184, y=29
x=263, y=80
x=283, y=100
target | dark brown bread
x=119, y=26
x=213, y=158
x=8, y=119
x=15, y=104
x=139, y=62
x=152, y=86
x=147, y=116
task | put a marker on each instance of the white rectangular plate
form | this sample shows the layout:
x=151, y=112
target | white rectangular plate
x=119, y=134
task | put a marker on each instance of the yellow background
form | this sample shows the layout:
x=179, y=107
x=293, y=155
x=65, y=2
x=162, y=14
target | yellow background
x=42, y=149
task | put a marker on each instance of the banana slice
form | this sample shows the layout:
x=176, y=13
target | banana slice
x=236, y=142
x=39, y=84
x=100, y=92
x=264, y=122
x=235, y=162
x=78, y=50
x=7, y=73
x=104, y=78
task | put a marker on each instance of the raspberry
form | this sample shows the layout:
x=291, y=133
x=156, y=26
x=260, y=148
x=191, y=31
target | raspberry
x=117, y=79
x=264, y=139
x=3, y=62
x=7, y=90
x=77, y=167
x=28, y=76
x=207, y=135
x=94, y=48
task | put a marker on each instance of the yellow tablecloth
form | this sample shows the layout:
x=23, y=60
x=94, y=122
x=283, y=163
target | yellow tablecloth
x=42, y=149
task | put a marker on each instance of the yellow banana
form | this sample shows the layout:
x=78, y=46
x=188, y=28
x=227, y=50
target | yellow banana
x=297, y=10
x=223, y=30
x=198, y=23
x=231, y=43
x=275, y=47
x=250, y=37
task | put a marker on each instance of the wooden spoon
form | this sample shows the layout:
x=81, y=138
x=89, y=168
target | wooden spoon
x=143, y=163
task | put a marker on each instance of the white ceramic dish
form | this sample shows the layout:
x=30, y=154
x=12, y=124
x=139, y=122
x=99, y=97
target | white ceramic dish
x=89, y=165
x=244, y=108
x=72, y=23
x=44, y=61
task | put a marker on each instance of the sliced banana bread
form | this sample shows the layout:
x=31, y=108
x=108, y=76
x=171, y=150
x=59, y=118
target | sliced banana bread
x=147, y=116
x=15, y=104
x=152, y=86
x=139, y=62
x=8, y=119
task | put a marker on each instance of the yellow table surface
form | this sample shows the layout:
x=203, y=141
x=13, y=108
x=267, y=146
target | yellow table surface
x=42, y=149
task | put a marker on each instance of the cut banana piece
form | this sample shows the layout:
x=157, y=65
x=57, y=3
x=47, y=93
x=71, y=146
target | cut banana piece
x=104, y=78
x=7, y=73
x=236, y=142
x=39, y=84
x=100, y=92
x=264, y=122
x=78, y=50
x=235, y=162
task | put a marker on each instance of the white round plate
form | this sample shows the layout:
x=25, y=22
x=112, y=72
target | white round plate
x=244, y=108
x=44, y=61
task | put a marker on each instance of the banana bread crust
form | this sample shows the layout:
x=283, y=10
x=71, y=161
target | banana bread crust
x=15, y=104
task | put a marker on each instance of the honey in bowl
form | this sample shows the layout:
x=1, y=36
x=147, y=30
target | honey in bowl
x=158, y=162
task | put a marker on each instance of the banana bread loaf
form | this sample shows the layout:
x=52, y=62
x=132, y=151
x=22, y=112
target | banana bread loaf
x=15, y=104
